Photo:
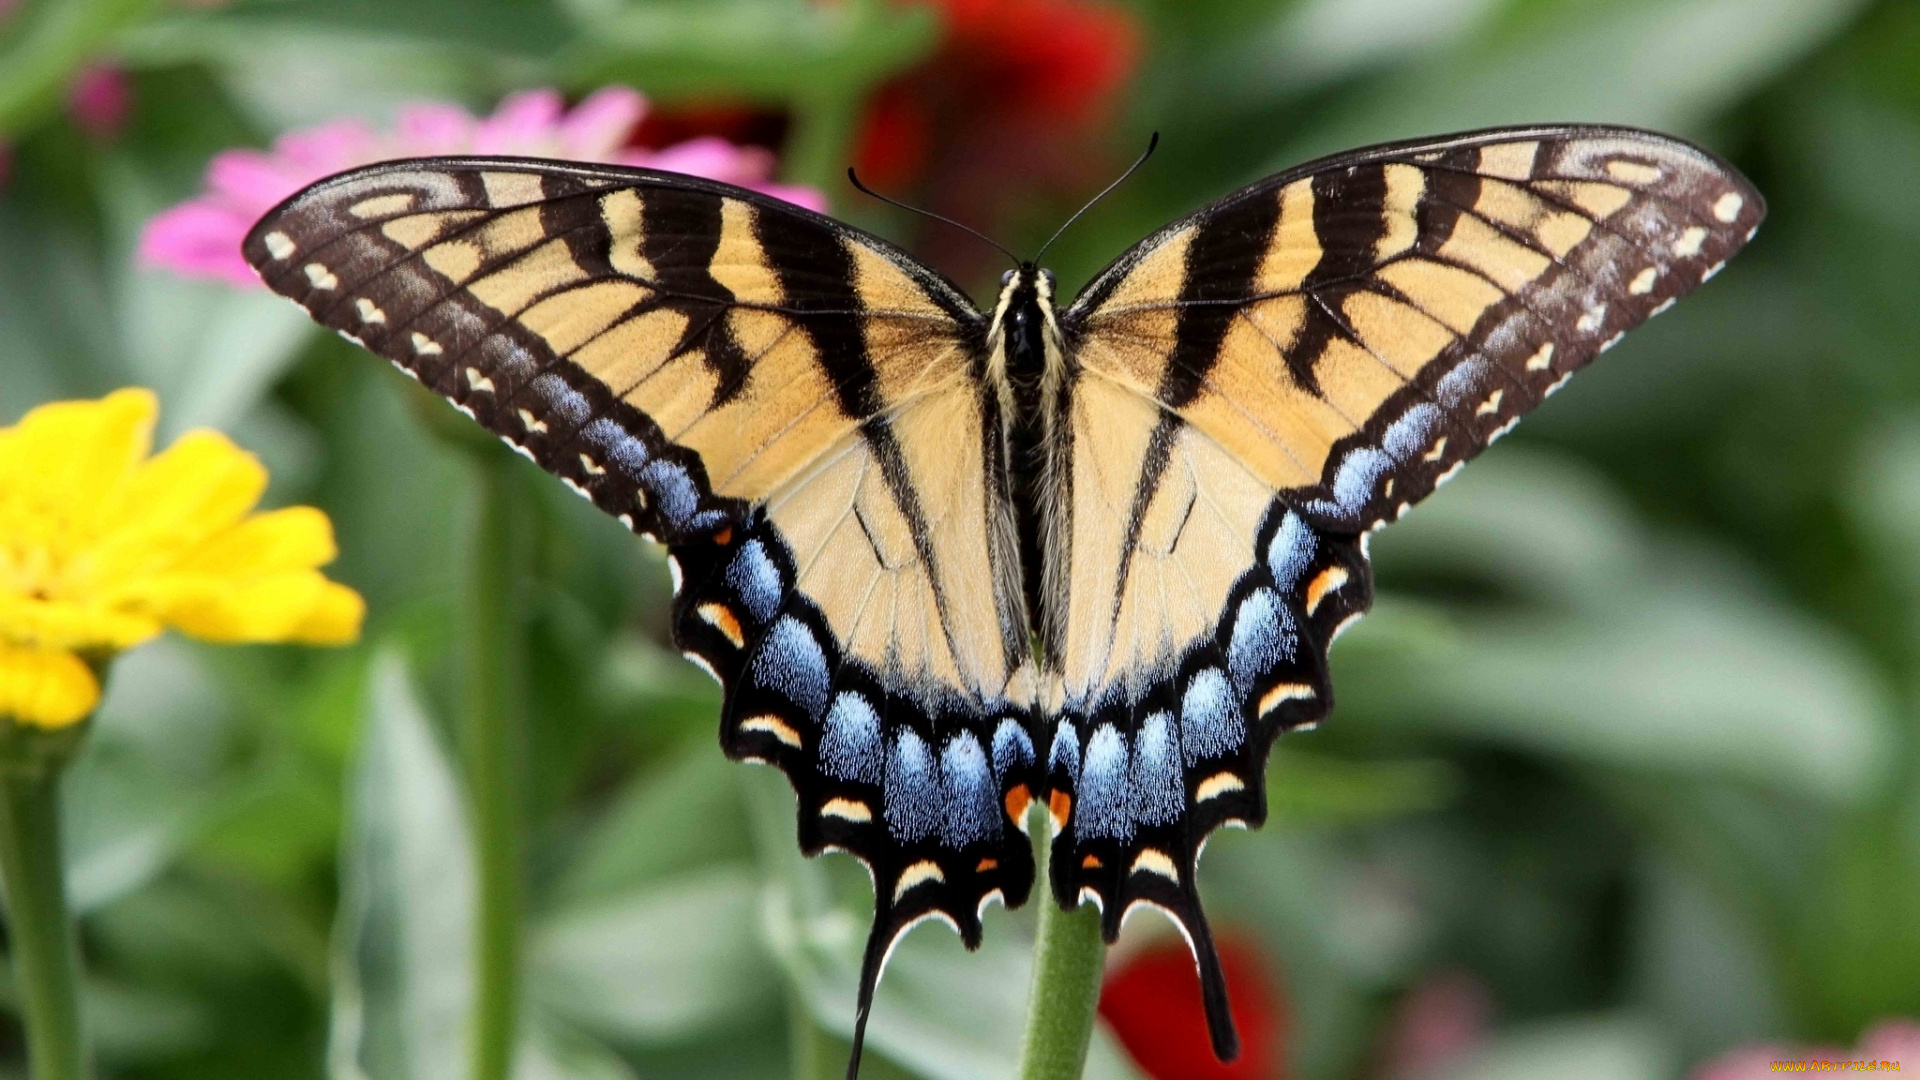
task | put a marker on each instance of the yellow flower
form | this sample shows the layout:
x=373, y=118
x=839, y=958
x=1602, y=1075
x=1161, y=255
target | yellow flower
x=102, y=547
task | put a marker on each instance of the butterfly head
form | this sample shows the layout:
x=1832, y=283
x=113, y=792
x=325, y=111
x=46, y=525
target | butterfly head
x=1024, y=322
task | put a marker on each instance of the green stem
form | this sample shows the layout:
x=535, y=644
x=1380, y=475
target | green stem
x=1068, y=959
x=820, y=147
x=492, y=732
x=816, y=1055
x=45, y=960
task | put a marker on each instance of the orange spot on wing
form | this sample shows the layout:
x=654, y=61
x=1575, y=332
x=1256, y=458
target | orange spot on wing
x=1059, y=805
x=721, y=618
x=1091, y=862
x=724, y=536
x=986, y=865
x=1018, y=800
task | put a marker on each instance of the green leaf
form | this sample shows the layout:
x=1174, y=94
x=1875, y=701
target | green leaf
x=149, y=775
x=1584, y=1048
x=668, y=963
x=1670, y=66
x=56, y=325
x=1653, y=655
x=403, y=939
x=688, y=816
x=757, y=49
x=1306, y=788
x=546, y=1053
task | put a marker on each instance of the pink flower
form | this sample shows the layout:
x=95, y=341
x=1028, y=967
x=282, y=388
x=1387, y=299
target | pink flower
x=1436, y=1024
x=201, y=237
x=1892, y=1040
x=99, y=100
x=1896, y=1040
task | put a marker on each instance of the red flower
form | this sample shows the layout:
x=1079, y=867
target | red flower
x=1152, y=1002
x=99, y=99
x=1010, y=104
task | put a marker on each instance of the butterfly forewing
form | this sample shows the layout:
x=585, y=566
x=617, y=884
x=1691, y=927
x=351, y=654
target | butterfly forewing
x=794, y=408
x=1260, y=384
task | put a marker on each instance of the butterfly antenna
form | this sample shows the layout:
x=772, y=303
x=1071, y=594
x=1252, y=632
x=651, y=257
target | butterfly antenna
x=865, y=190
x=1104, y=192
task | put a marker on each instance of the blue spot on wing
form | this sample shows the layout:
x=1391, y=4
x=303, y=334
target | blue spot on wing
x=755, y=580
x=1210, y=722
x=1353, y=483
x=673, y=491
x=1460, y=383
x=1011, y=749
x=1263, y=636
x=1159, y=794
x=1102, y=810
x=1066, y=750
x=1411, y=434
x=791, y=662
x=1291, y=551
x=971, y=810
x=561, y=401
x=616, y=445
x=851, y=748
x=912, y=791
x=505, y=357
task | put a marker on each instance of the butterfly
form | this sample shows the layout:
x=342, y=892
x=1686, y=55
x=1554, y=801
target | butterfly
x=950, y=564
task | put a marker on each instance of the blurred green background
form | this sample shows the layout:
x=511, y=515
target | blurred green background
x=1623, y=769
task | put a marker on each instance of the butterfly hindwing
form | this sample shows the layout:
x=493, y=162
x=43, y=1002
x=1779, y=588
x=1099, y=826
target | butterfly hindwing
x=1259, y=385
x=795, y=409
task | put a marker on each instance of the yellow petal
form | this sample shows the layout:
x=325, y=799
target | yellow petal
x=335, y=620
x=268, y=608
x=200, y=486
x=45, y=687
x=62, y=463
x=296, y=538
x=61, y=624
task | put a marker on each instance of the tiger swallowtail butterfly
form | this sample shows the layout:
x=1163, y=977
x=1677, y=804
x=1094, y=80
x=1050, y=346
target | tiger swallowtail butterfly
x=949, y=563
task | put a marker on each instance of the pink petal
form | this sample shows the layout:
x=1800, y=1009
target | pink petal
x=715, y=159
x=430, y=128
x=523, y=124
x=1745, y=1063
x=599, y=125
x=328, y=148
x=795, y=194
x=199, y=239
x=256, y=181
x=202, y=236
x=1892, y=1040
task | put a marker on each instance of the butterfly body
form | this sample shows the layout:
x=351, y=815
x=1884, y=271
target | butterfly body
x=950, y=565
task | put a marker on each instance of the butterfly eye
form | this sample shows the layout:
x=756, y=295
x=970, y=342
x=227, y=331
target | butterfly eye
x=1006, y=278
x=1048, y=274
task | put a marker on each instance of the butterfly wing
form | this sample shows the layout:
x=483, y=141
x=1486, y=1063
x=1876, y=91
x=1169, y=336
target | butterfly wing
x=794, y=408
x=1260, y=384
